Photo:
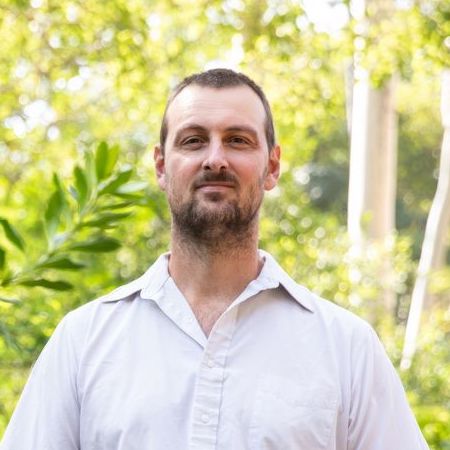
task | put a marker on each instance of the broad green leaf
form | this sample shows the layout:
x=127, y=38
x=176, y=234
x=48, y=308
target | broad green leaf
x=113, y=156
x=61, y=262
x=12, y=235
x=65, y=208
x=57, y=208
x=81, y=186
x=49, y=284
x=113, y=206
x=105, y=160
x=132, y=187
x=136, y=199
x=106, y=219
x=101, y=160
x=117, y=181
x=91, y=176
x=97, y=245
x=2, y=258
x=53, y=214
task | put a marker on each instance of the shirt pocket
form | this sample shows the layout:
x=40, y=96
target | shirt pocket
x=287, y=416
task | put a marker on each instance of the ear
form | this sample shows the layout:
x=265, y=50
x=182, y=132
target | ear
x=273, y=168
x=160, y=167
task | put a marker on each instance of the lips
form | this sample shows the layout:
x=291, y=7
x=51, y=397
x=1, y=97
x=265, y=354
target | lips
x=222, y=180
x=213, y=185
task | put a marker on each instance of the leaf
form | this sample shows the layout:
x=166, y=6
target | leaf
x=113, y=206
x=81, y=186
x=9, y=300
x=65, y=209
x=61, y=262
x=113, y=157
x=117, y=181
x=130, y=188
x=2, y=258
x=73, y=193
x=53, y=214
x=105, y=160
x=136, y=199
x=57, y=207
x=101, y=159
x=97, y=245
x=91, y=176
x=12, y=235
x=49, y=284
x=106, y=219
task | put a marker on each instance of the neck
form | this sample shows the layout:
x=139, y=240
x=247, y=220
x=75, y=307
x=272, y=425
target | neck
x=217, y=270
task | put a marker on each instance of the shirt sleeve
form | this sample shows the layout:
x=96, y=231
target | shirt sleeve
x=380, y=417
x=47, y=414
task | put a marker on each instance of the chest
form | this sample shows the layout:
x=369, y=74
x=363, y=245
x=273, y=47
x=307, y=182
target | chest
x=246, y=388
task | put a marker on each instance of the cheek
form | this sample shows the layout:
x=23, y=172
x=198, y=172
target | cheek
x=178, y=179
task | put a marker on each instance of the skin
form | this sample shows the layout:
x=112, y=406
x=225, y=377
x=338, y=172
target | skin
x=215, y=162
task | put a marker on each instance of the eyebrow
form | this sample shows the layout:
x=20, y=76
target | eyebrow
x=189, y=127
x=202, y=129
x=244, y=129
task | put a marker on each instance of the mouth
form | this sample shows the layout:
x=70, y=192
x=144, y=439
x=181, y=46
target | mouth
x=215, y=186
x=214, y=183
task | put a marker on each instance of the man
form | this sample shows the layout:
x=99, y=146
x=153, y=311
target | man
x=214, y=347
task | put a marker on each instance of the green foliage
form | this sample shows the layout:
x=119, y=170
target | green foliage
x=427, y=380
x=74, y=225
x=73, y=75
x=12, y=235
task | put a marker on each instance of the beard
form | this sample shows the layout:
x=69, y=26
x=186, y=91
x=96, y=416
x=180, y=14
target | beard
x=205, y=221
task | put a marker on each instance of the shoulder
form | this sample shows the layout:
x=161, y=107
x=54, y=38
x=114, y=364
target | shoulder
x=337, y=316
x=354, y=334
x=334, y=319
x=351, y=337
x=107, y=306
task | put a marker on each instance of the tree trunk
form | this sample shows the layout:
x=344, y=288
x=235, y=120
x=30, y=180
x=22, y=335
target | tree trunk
x=373, y=159
x=373, y=162
x=434, y=244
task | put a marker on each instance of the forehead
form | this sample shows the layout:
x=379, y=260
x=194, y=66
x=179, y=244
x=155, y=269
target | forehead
x=211, y=107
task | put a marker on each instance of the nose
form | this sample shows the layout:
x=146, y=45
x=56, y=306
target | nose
x=215, y=158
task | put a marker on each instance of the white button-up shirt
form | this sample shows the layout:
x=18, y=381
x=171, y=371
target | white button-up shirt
x=281, y=369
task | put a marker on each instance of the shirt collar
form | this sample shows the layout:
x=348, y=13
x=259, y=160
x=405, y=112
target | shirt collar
x=271, y=275
x=273, y=272
x=147, y=284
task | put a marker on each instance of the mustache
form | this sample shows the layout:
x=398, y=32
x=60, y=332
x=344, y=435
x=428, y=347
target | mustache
x=207, y=177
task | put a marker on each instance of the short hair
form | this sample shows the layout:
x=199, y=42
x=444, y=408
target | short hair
x=218, y=79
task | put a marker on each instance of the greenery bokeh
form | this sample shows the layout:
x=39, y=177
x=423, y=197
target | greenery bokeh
x=74, y=73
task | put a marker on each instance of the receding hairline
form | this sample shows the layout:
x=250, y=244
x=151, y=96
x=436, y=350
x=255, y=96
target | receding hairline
x=213, y=90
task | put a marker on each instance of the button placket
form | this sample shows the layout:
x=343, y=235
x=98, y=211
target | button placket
x=209, y=386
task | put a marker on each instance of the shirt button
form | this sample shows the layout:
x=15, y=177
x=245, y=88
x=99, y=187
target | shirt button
x=210, y=363
x=205, y=418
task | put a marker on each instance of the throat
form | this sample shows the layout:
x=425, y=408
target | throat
x=208, y=313
x=209, y=279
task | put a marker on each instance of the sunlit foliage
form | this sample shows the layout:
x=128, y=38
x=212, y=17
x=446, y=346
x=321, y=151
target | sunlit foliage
x=76, y=73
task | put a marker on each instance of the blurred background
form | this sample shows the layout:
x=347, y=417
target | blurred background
x=360, y=92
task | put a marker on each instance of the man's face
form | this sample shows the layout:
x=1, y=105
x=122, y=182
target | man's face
x=216, y=164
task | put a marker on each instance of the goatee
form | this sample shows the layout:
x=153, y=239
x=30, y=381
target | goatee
x=222, y=222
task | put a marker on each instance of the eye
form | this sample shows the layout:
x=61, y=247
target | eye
x=193, y=142
x=239, y=141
